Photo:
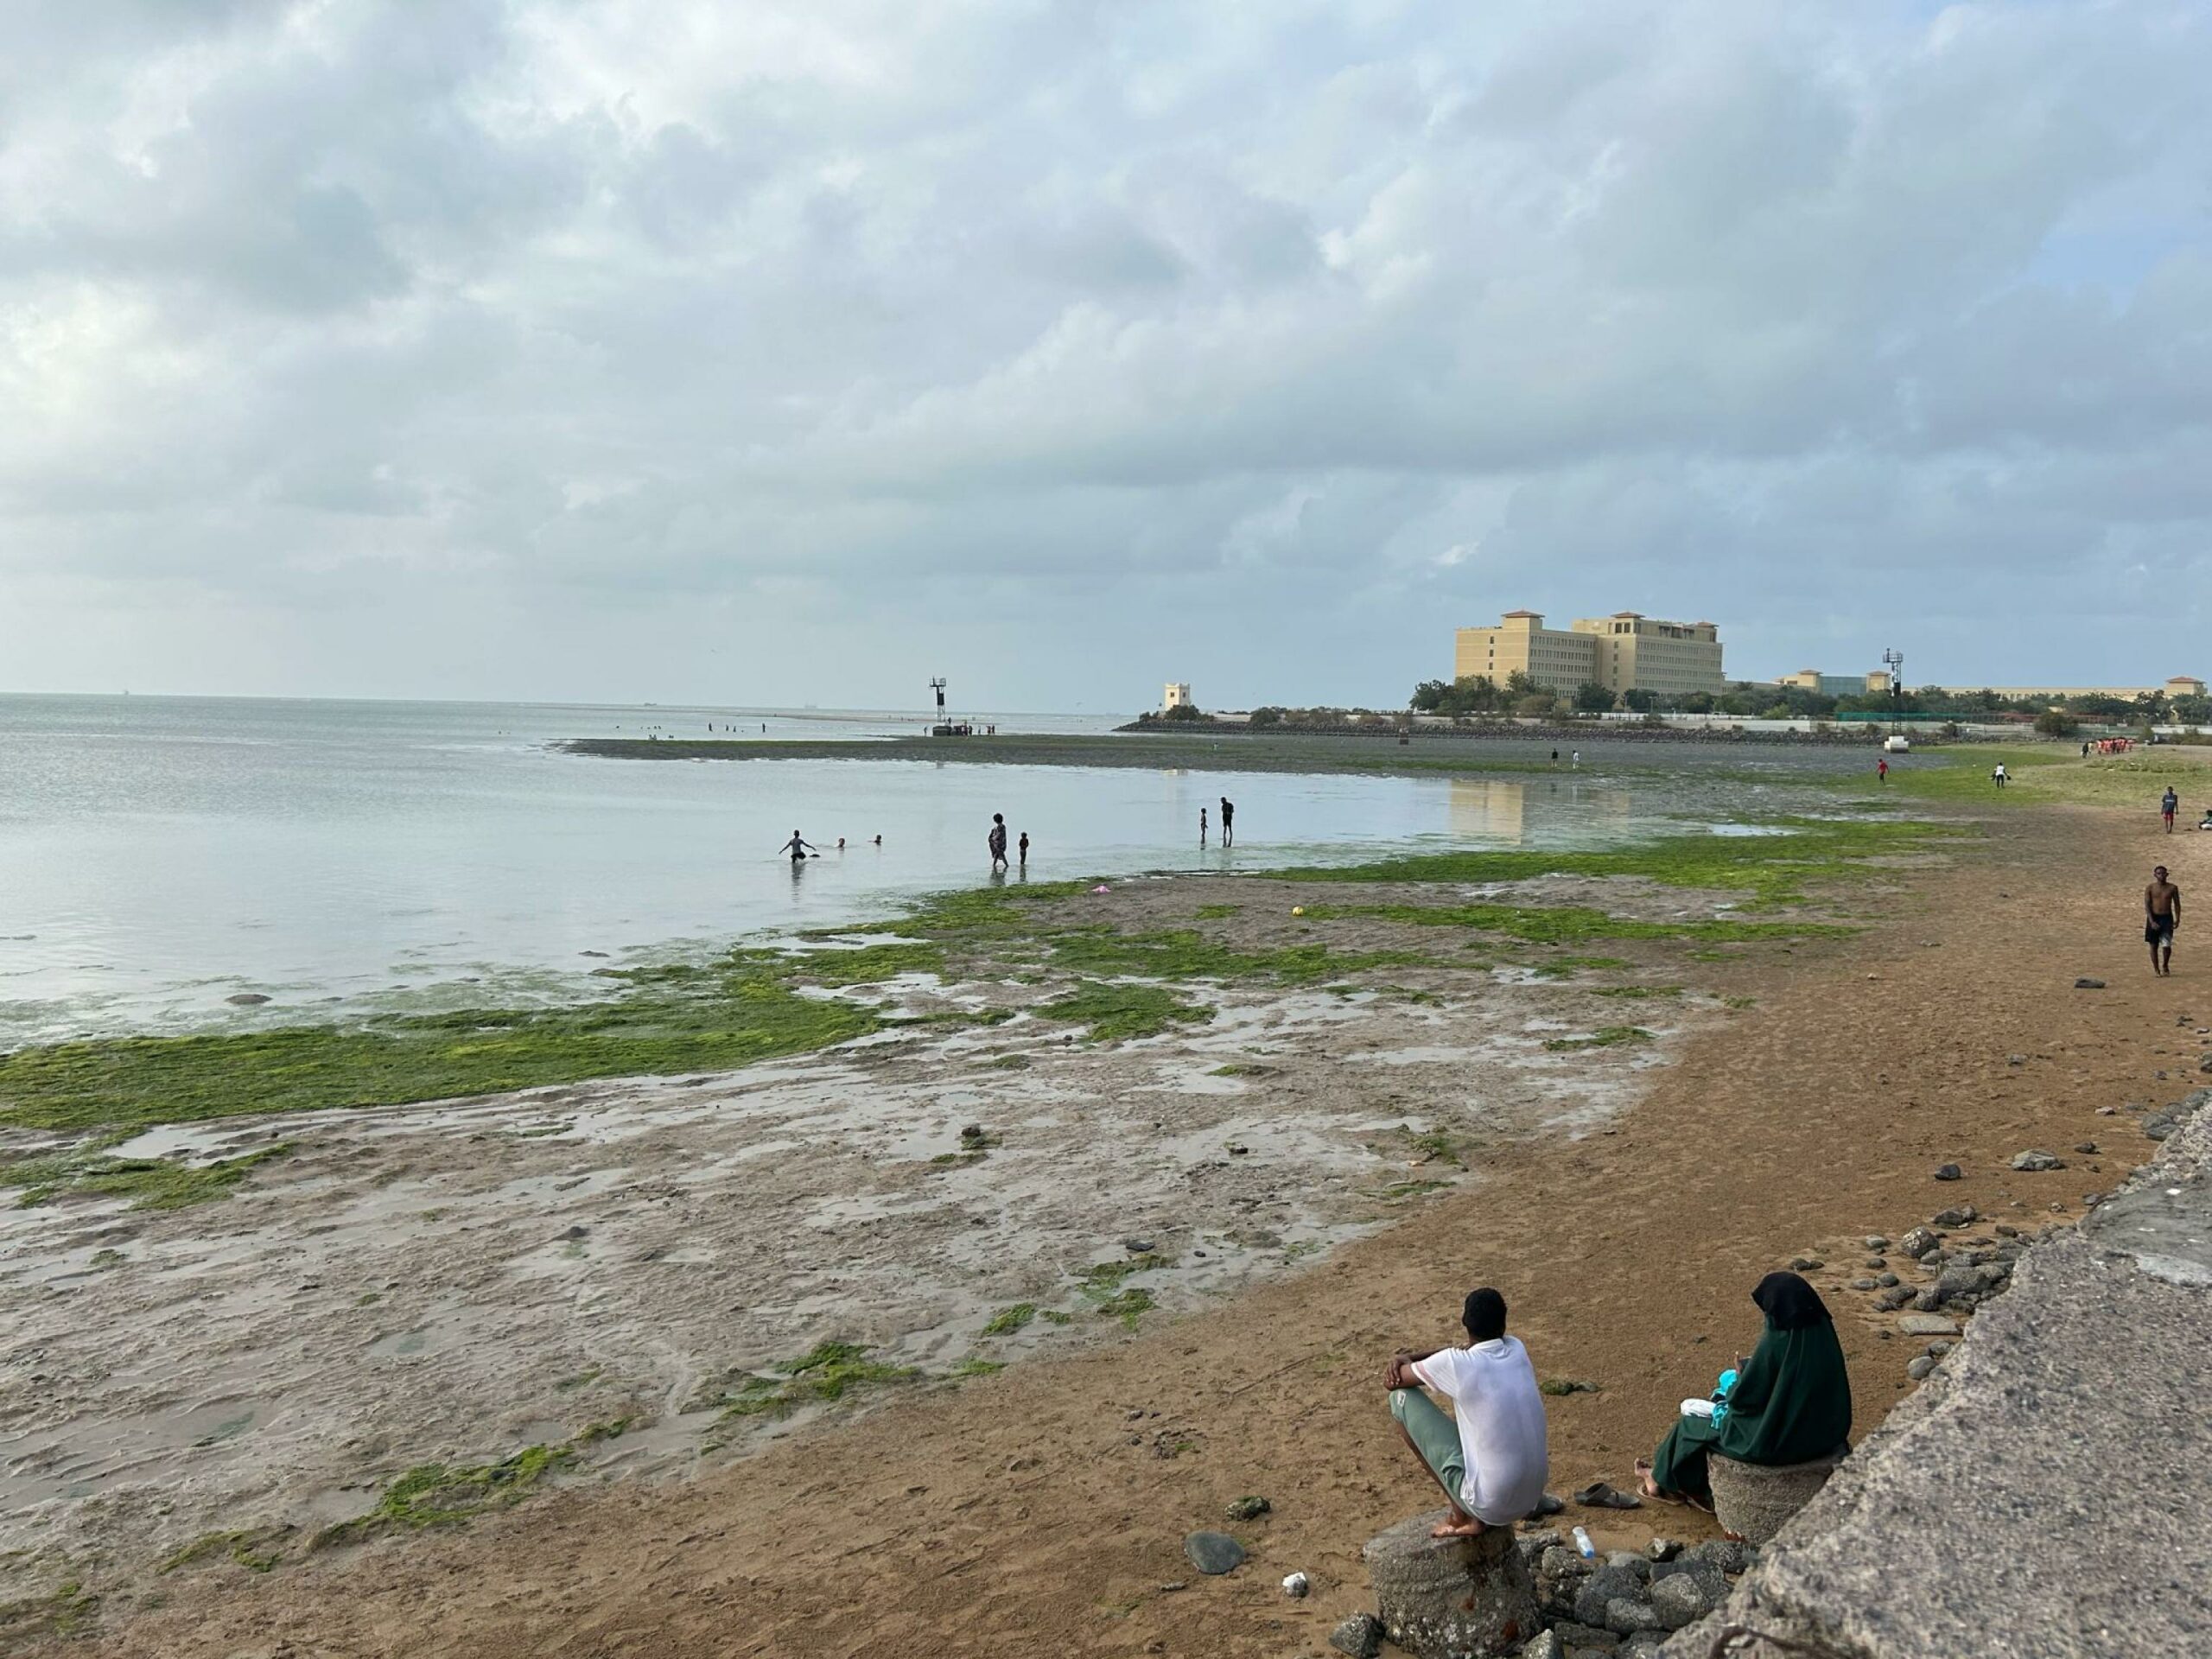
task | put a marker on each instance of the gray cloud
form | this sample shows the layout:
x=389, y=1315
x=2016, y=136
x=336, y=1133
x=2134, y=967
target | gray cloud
x=606, y=349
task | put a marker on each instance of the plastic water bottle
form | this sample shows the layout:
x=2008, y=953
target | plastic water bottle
x=1582, y=1543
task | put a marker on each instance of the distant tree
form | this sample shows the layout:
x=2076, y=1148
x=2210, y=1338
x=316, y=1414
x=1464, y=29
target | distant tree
x=2057, y=723
x=1536, y=704
x=1428, y=697
x=1518, y=684
x=1184, y=711
x=1642, y=701
x=2192, y=711
x=1592, y=698
x=1264, y=716
x=1695, y=703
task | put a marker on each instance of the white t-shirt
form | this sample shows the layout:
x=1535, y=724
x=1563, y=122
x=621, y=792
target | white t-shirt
x=1500, y=1415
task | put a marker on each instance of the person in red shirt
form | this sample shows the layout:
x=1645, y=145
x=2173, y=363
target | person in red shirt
x=1882, y=770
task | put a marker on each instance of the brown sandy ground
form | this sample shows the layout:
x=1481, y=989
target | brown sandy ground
x=1042, y=1510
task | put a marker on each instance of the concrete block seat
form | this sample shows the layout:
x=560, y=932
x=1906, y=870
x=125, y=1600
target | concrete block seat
x=1451, y=1597
x=1753, y=1500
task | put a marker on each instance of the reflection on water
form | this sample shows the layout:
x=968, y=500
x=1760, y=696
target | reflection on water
x=1504, y=811
x=160, y=855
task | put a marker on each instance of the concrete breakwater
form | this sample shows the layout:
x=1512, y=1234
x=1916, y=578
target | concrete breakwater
x=2040, y=1496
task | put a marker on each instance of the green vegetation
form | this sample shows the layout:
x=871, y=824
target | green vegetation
x=673, y=1020
x=1117, y=1013
x=149, y=1183
x=826, y=1374
x=1436, y=1146
x=1216, y=912
x=68, y=1611
x=432, y=1495
x=1238, y=1069
x=259, y=1549
x=1398, y=1190
x=1007, y=1320
x=613, y=1428
x=1567, y=967
x=1773, y=868
x=2041, y=775
x=1560, y=1387
x=1607, y=1037
x=1572, y=924
x=1128, y=1305
x=1104, y=1276
x=1639, y=992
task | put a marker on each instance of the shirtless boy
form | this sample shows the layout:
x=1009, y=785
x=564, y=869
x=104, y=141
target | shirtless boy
x=2161, y=916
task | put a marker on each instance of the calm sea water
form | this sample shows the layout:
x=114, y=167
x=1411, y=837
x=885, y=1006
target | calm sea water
x=158, y=855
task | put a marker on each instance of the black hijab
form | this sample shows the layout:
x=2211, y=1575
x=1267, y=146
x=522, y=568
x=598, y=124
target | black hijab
x=1790, y=1303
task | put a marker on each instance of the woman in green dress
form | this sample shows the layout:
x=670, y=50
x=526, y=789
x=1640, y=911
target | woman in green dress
x=1791, y=1403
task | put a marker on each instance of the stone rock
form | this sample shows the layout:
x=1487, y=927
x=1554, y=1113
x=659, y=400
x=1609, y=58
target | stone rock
x=1885, y=1279
x=1214, y=1552
x=1532, y=1545
x=1927, y=1325
x=1959, y=1215
x=1601, y=1589
x=1919, y=1368
x=1806, y=1264
x=1864, y=1284
x=245, y=999
x=2016, y=1059
x=2158, y=1126
x=1948, y=1172
x=1360, y=1635
x=1248, y=1509
x=1894, y=1298
x=1928, y=1299
x=1546, y=1646
x=2086, y=985
x=1726, y=1553
x=1679, y=1600
x=1940, y=1347
x=1876, y=1241
x=2085, y=1147
x=1918, y=1243
x=1627, y=1615
x=1450, y=1598
x=2033, y=1162
x=1752, y=1501
x=1960, y=1280
x=1662, y=1549
x=1644, y=1644
x=1584, y=1639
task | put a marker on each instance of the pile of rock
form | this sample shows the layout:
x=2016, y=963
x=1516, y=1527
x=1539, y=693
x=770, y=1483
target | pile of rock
x=2159, y=1125
x=1623, y=1607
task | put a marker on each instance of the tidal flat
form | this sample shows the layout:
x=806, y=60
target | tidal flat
x=421, y=1260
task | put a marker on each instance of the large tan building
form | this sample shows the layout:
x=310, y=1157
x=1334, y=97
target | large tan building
x=1625, y=651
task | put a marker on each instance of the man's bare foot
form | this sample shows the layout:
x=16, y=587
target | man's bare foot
x=1646, y=1485
x=1459, y=1526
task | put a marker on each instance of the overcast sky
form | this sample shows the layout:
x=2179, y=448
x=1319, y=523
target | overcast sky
x=794, y=353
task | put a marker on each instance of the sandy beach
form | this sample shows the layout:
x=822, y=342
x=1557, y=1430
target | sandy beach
x=1216, y=1232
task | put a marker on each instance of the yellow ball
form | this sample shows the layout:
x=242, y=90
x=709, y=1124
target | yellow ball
x=1298, y=910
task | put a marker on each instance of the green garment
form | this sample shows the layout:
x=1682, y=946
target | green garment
x=1791, y=1404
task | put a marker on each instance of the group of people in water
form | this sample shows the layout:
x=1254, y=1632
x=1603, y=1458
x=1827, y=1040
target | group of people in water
x=1789, y=1402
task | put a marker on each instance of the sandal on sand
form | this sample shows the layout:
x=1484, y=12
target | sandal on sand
x=1599, y=1496
x=1650, y=1488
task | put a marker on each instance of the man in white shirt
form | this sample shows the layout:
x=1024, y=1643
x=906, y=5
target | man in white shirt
x=1492, y=1461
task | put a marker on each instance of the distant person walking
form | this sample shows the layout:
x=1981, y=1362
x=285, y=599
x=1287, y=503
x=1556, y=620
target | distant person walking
x=1554, y=757
x=1577, y=761
x=1882, y=770
x=1025, y=849
x=996, y=841
x=1228, y=822
x=2168, y=804
x=2161, y=917
x=1202, y=826
x=1999, y=776
x=797, y=849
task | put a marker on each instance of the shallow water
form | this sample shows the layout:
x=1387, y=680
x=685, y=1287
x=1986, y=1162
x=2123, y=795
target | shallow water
x=160, y=854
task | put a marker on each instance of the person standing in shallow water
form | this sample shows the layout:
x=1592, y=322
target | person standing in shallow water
x=996, y=841
x=1228, y=822
x=1025, y=849
x=2161, y=916
x=1202, y=826
x=797, y=849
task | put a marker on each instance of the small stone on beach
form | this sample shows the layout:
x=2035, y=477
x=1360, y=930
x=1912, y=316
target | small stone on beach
x=1214, y=1552
x=1948, y=1172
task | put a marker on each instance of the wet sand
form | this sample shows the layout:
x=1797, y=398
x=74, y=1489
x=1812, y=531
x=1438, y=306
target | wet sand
x=1626, y=1206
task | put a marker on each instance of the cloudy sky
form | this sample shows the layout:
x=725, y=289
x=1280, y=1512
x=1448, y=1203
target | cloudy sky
x=794, y=351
